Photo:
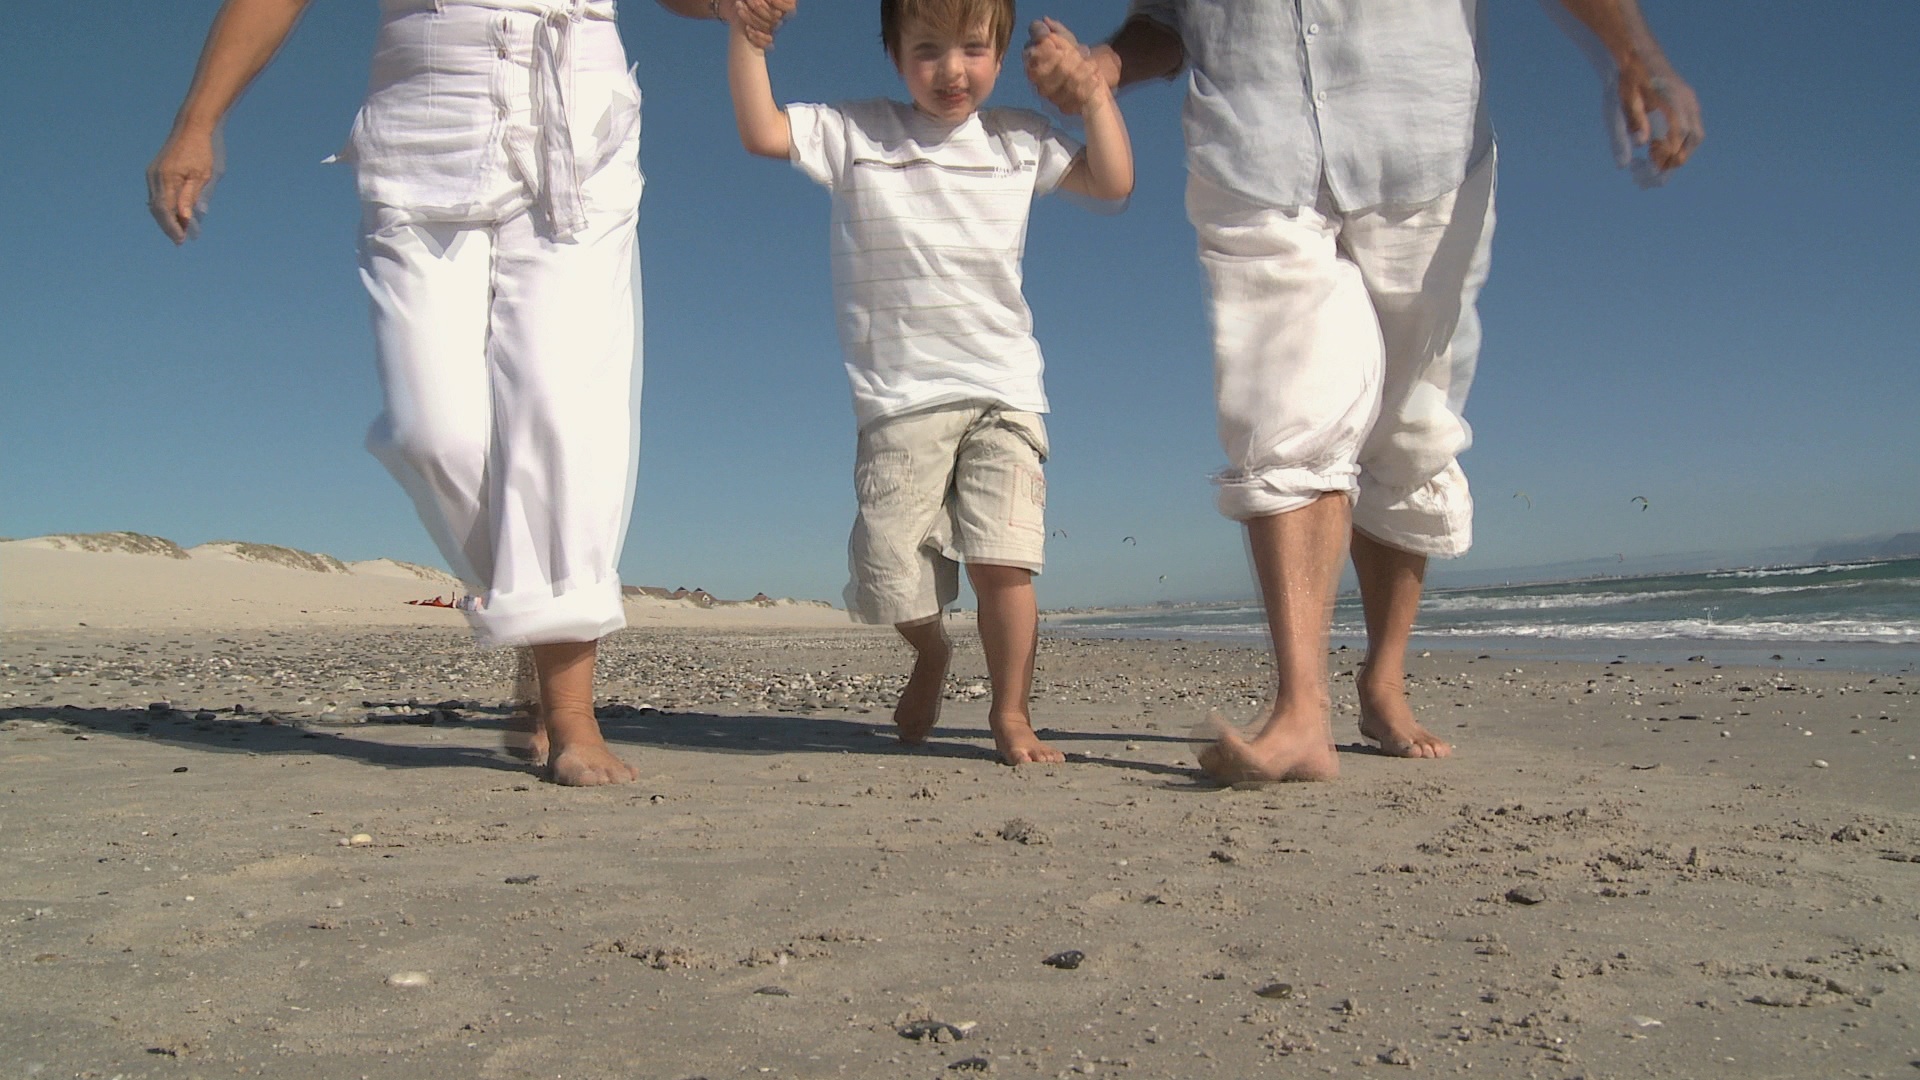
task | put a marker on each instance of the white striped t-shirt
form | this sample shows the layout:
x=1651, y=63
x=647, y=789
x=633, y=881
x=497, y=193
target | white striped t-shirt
x=929, y=225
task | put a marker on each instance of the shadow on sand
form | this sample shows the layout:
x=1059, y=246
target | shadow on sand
x=624, y=726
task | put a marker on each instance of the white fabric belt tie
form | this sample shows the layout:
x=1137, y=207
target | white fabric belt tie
x=550, y=164
x=558, y=171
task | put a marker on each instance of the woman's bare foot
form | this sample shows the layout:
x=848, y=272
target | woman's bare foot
x=1387, y=721
x=587, y=761
x=527, y=737
x=919, y=707
x=1015, y=742
x=1285, y=749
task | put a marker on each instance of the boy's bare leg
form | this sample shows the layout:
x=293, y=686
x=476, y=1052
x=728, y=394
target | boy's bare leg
x=1390, y=582
x=578, y=756
x=1296, y=559
x=919, y=707
x=526, y=735
x=1009, y=635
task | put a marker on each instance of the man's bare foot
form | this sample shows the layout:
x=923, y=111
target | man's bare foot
x=919, y=707
x=527, y=738
x=1015, y=742
x=1282, y=751
x=1387, y=721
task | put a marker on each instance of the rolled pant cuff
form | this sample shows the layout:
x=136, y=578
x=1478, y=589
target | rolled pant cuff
x=1434, y=519
x=588, y=613
x=1243, y=497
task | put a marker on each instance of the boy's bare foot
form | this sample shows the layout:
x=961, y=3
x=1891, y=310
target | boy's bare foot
x=919, y=707
x=1284, y=750
x=1387, y=721
x=1014, y=740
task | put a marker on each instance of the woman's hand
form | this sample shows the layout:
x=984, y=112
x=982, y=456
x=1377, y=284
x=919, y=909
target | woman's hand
x=758, y=19
x=179, y=180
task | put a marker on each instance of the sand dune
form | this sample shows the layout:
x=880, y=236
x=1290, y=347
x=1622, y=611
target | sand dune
x=132, y=581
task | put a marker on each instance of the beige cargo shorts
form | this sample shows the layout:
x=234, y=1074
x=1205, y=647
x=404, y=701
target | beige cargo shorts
x=937, y=488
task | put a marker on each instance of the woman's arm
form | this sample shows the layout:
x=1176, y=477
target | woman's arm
x=244, y=37
x=760, y=18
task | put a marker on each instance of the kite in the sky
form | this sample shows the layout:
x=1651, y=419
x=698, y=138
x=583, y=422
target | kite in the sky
x=1130, y=540
x=1642, y=500
x=1525, y=496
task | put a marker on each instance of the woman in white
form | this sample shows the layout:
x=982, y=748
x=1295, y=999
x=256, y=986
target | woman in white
x=497, y=159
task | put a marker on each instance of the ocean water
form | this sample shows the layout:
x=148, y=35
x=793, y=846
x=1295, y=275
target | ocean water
x=1862, y=615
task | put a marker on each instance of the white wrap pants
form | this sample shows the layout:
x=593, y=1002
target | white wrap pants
x=1344, y=344
x=506, y=338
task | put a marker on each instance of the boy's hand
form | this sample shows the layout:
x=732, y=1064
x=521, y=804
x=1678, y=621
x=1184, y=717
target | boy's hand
x=1061, y=69
x=758, y=19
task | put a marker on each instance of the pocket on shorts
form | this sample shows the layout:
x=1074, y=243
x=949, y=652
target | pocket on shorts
x=882, y=479
x=1031, y=429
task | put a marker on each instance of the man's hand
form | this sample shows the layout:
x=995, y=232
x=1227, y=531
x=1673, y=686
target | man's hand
x=1063, y=71
x=178, y=182
x=1644, y=90
x=758, y=19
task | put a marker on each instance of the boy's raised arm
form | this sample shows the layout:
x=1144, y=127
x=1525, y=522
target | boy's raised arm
x=1105, y=170
x=763, y=124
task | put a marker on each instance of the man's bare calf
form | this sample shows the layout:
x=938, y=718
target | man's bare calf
x=1390, y=584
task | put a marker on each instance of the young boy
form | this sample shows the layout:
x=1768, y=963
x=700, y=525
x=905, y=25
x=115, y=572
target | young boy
x=930, y=202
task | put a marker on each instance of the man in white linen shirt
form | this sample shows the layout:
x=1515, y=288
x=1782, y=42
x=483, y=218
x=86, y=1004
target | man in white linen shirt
x=1340, y=179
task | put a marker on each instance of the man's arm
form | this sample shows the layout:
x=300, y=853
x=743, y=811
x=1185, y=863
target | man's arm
x=1142, y=49
x=760, y=17
x=244, y=37
x=1648, y=82
x=764, y=129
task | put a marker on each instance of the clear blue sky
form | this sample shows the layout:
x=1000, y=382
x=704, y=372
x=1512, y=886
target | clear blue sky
x=1738, y=347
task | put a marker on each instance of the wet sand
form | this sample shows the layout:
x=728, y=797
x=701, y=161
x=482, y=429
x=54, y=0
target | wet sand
x=220, y=847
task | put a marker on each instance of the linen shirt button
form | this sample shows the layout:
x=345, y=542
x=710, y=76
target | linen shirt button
x=1321, y=96
x=1312, y=29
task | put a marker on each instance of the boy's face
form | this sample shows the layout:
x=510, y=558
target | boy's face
x=949, y=77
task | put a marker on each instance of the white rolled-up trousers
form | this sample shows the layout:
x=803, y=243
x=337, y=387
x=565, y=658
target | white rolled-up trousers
x=510, y=367
x=1344, y=346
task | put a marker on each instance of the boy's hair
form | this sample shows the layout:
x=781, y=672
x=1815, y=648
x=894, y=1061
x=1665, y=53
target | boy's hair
x=953, y=16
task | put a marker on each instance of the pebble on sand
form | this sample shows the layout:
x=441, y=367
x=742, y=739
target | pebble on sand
x=1022, y=831
x=1526, y=894
x=358, y=839
x=408, y=980
x=1067, y=960
x=932, y=1031
x=1819, y=763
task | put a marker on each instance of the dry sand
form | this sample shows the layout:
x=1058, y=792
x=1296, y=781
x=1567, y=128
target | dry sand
x=1625, y=871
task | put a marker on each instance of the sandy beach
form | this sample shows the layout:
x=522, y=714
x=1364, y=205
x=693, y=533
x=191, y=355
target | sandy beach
x=247, y=836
